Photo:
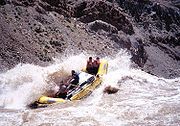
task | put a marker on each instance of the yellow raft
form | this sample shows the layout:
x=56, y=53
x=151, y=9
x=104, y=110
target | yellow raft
x=87, y=83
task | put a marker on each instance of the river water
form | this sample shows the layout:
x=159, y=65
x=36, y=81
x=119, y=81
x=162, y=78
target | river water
x=142, y=99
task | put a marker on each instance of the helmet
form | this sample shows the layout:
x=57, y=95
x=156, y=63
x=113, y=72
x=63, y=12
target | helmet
x=73, y=71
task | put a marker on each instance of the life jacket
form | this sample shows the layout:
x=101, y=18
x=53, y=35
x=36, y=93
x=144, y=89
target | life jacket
x=89, y=64
x=63, y=88
x=75, y=77
x=96, y=64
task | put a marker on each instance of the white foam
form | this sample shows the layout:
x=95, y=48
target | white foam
x=141, y=96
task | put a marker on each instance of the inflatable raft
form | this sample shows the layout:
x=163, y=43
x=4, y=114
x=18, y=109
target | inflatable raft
x=87, y=83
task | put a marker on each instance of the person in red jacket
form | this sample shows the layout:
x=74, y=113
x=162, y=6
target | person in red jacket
x=96, y=64
x=89, y=66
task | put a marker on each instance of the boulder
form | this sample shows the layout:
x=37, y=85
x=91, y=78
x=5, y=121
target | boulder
x=110, y=90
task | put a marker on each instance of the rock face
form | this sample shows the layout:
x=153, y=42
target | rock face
x=36, y=31
x=159, y=22
x=89, y=11
x=100, y=25
x=2, y=2
x=26, y=36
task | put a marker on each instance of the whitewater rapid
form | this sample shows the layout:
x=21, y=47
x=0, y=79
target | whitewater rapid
x=142, y=99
